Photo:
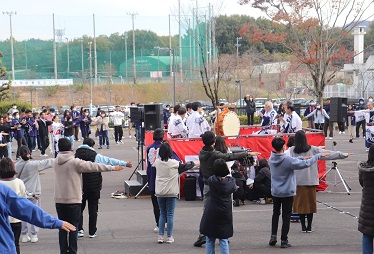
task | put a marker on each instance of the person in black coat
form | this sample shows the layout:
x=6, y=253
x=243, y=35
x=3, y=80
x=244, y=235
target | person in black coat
x=217, y=217
x=43, y=132
x=262, y=181
x=250, y=108
x=366, y=217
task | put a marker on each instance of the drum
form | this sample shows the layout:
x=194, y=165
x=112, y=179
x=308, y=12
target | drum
x=227, y=123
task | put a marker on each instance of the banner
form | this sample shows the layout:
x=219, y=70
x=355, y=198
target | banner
x=257, y=143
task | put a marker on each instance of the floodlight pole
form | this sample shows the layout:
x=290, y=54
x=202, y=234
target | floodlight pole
x=90, y=43
x=10, y=13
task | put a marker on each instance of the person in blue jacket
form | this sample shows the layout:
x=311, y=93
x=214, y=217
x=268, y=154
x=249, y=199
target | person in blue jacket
x=18, y=207
x=283, y=186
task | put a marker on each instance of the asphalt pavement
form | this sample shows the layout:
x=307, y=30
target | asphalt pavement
x=126, y=225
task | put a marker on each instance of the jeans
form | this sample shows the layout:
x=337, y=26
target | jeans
x=31, y=143
x=9, y=147
x=286, y=204
x=367, y=244
x=223, y=245
x=92, y=197
x=70, y=213
x=156, y=208
x=71, y=138
x=103, y=135
x=34, y=229
x=167, y=207
x=16, y=228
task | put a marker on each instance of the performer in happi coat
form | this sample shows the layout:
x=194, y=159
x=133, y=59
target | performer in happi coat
x=269, y=119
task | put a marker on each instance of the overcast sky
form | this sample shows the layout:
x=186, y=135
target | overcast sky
x=34, y=18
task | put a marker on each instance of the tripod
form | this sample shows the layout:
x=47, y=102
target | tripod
x=141, y=160
x=342, y=180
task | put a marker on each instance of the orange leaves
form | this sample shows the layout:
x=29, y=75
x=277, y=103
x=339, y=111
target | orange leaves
x=257, y=35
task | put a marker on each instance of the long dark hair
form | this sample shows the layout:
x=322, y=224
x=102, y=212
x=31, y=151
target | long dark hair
x=301, y=143
x=220, y=144
x=320, y=109
x=370, y=160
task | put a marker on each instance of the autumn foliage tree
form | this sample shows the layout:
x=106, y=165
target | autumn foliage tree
x=313, y=31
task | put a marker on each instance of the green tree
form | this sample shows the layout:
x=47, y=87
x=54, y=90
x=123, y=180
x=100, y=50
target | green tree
x=4, y=88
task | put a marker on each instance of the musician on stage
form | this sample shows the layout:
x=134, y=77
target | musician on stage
x=177, y=128
x=291, y=121
x=268, y=118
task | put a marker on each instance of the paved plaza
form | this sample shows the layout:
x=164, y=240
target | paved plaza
x=126, y=225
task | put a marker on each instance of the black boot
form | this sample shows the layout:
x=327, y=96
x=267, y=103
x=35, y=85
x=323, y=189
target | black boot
x=200, y=241
x=309, y=217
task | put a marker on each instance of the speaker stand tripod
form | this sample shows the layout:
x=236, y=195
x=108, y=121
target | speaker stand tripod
x=342, y=180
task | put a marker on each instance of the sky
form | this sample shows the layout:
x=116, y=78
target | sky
x=34, y=18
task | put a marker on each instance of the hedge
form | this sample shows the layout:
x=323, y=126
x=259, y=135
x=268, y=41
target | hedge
x=6, y=105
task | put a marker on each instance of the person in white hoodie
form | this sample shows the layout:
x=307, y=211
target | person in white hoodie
x=117, y=116
x=28, y=171
x=167, y=188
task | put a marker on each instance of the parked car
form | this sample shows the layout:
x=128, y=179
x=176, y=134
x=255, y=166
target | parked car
x=55, y=108
x=108, y=109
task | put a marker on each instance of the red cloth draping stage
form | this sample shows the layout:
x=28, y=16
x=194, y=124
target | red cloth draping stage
x=258, y=143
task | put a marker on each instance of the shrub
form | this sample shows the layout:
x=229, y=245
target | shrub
x=6, y=105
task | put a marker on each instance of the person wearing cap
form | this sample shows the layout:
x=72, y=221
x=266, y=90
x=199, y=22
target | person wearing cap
x=360, y=118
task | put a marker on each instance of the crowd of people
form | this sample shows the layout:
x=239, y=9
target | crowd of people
x=288, y=179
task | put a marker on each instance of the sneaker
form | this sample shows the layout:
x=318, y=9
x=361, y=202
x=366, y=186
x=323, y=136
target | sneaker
x=107, y=147
x=34, y=238
x=330, y=137
x=285, y=244
x=350, y=141
x=25, y=238
x=44, y=155
x=160, y=239
x=81, y=233
x=120, y=141
x=309, y=230
x=117, y=142
x=200, y=241
x=92, y=236
x=340, y=132
x=262, y=201
x=100, y=147
x=170, y=239
x=155, y=230
x=343, y=132
x=273, y=240
x=130, y=136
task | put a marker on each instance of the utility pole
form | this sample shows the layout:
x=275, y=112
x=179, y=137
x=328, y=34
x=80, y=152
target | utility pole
x=90, y=43
x=54, y=48
x=180, y=41
x=68, y=58
x=95, y=55
x=238, y=81
x=126, y=36
x=133, y=14
x=10, y=13
x=82, y=56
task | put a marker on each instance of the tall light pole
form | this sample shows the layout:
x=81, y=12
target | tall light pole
x=10, y=13
x=133, y=42
x=90, y=43
x=158, y=62
x=125, y=37
x=54, y=48
x=68, y=57
x=95, y=53
x=82, y=56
